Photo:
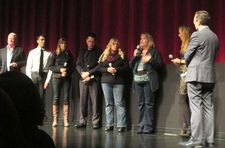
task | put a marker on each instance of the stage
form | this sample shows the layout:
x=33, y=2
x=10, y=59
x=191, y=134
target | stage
x=72, y=137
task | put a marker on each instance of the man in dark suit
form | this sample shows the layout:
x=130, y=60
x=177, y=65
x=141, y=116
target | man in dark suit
x=12, y=56
x=200, y=78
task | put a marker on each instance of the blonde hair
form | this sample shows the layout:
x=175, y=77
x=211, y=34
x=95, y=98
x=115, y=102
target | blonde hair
x=107, y=50
x=58, y=49
x=186, y=31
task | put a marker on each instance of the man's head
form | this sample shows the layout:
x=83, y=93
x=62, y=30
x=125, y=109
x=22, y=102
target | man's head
x=41, y=41
x=90, y=40
x=11, y=39
x=201, y=18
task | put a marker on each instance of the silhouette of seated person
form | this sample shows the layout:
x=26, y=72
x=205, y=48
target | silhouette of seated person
x=27, y=102
x=10, y=129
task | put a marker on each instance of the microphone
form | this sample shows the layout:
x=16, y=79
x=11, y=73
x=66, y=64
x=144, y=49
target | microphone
x=91, y=77
x=170, y=56
x=65, y=64
x=110, y=65
x=139, y=50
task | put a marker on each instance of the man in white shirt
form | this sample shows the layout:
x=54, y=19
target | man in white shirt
x=37, y=67
x=12, y=57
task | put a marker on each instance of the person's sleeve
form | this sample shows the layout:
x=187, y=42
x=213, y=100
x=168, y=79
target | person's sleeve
x=22, y=58
x=156, y=60
x=49, y=75
x=191, y=49
x=29, y=65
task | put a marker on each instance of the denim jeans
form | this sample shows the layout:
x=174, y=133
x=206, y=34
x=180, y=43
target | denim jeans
x=146, y=107
x=61, y=85
x=113, y=93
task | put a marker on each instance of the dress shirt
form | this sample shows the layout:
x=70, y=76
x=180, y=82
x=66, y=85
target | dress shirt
x=9, y=56
x=33, y=60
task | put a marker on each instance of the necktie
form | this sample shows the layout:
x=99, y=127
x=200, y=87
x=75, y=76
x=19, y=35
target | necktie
x=41, y=61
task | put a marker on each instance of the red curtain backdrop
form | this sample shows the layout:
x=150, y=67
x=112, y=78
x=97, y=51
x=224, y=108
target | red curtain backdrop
x=122, y=19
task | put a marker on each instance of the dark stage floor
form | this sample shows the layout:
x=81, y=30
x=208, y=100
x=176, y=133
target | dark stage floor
x=89, y=138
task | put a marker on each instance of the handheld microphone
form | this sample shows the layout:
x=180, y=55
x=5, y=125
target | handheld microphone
x=65, y=64
x=91, y=77
x=110, y=65
x=170, y=56
x=139, y=50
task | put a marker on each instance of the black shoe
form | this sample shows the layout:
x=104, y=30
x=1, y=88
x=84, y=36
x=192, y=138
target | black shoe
x=109, y=128
x=96, y=126
x=148, y=132
x=121, y=129
x=191, y=143
x=80, y=125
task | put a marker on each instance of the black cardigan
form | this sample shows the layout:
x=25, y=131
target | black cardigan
x=121, y=66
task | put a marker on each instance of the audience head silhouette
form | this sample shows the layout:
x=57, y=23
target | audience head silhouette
x=10, y=135
x=26, y=99
x=27, y=102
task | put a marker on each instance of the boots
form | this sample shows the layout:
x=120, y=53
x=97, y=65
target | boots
x=55, y=115
x=65, y=115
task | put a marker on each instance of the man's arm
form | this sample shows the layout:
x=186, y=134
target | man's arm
x=29, y=65
x=191, y=49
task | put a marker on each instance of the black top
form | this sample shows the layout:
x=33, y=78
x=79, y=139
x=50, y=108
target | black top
x=87, y=60
x=63, y=60
x=152, y=66
x=119, y=77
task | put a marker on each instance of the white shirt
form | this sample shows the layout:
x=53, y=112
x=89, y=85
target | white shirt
x=9, y=56
x=33, y=61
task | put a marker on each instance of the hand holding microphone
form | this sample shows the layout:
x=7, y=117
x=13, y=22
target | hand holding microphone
x=174, y=60
x=111, y=69
x=138, y=51
x=88, y=78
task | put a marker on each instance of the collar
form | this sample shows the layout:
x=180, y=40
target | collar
x=202, y=27
x=39, y=48
x=10, y=48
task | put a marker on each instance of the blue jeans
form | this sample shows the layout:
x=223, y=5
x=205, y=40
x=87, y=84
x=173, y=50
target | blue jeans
x=61, y=85
x=114, y=93
x=146, y=107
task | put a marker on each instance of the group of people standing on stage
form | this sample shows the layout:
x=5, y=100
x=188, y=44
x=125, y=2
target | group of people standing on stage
x=109, y=70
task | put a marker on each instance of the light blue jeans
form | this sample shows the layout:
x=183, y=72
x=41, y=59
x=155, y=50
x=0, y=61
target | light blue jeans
x=113, y=93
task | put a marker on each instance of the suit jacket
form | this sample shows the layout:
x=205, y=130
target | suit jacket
x=18, y=57
x=200, y=56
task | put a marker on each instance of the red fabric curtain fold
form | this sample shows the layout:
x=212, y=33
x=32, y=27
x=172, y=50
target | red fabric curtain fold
x=122, y=19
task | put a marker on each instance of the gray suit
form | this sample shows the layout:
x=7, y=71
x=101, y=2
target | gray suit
x=18, y=57
x=200, y=78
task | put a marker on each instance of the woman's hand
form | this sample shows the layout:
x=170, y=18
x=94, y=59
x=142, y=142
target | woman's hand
x=111, y=70
x=176, y=61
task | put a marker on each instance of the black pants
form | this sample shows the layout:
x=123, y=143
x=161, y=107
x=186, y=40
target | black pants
x=61, y=85
x=89, y=90
x=39, y=80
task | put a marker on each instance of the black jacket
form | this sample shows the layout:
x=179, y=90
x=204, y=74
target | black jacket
x=119, y=77
x=87, y=60
x=152, y=67
x=63, y=60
